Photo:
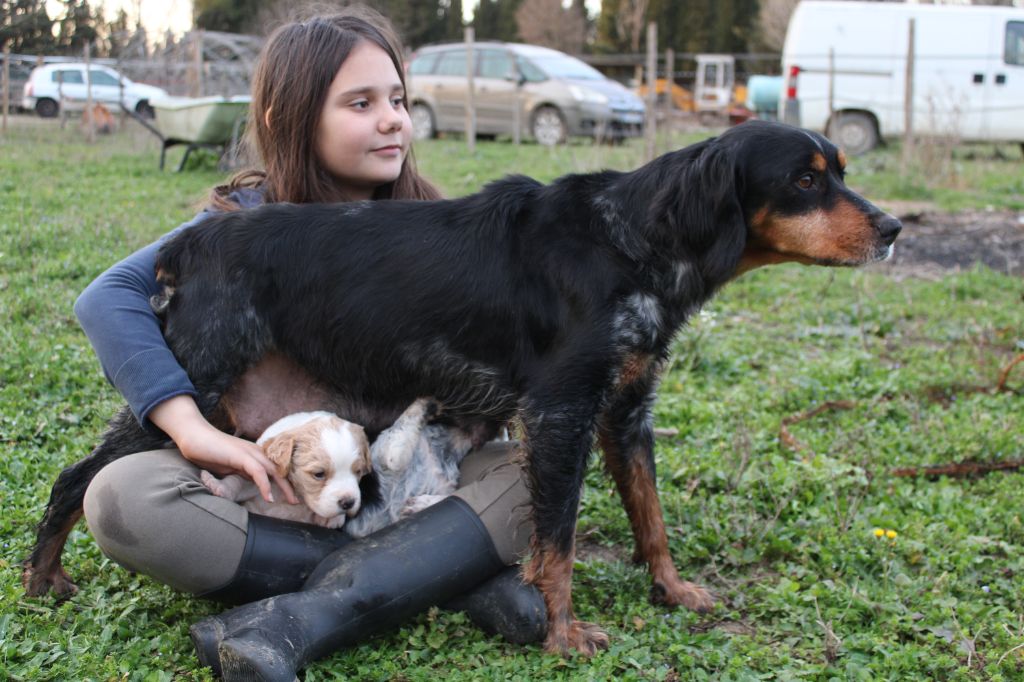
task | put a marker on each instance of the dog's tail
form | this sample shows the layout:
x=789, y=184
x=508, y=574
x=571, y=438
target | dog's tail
x=43, y=570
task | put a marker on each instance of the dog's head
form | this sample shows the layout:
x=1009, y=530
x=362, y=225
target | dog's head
x=772, y=193
x=324, y=458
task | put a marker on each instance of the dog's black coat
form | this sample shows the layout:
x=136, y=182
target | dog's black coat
x=524, y=299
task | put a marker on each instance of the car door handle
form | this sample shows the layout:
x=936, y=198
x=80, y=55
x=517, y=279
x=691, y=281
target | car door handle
x=979, y=78
x=1000, y=79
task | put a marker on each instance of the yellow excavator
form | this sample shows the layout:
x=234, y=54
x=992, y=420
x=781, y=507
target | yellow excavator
x=714, y=93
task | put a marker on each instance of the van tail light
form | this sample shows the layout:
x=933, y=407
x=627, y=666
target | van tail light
x=794, y=71
x=28, y=89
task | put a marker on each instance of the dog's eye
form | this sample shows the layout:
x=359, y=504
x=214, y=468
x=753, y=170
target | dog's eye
x=806, y=181
x=319, y=475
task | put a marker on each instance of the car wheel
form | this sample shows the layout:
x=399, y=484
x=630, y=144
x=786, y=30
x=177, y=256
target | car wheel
x=548, y=126
x=47, y=108
x=422, y=122
x=145, y=110
x=854, y=132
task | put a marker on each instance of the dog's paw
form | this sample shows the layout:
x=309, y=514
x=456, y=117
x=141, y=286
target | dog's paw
x=419, y=503
x=213, y=484
x=586, y=638
x=682, y=593
x=38, y=583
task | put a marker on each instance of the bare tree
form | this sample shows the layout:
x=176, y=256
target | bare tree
x=546, y=22
x=774, y=18
x=630, y=20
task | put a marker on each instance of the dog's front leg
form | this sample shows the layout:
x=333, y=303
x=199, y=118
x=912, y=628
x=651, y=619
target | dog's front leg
x=626, y=435
x=558, y=440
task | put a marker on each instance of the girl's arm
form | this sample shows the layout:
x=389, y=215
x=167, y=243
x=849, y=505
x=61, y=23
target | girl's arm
x=124, y=331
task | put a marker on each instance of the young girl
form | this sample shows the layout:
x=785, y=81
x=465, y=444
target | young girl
x=330, y=123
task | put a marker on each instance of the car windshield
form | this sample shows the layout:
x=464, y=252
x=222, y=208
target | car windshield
x=560, y=66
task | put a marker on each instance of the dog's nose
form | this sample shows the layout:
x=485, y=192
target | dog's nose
x=346, y=503
x=888, y=227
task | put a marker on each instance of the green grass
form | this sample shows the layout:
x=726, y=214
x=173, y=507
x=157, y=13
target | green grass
x=785, y=539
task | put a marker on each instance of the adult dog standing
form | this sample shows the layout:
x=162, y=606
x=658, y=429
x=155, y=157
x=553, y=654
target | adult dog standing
x=553, y=303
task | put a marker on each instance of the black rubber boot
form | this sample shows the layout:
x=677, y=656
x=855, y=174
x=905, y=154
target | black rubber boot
x=278, y=558
x=500, y=605
x=505, y=606
x=366, y=588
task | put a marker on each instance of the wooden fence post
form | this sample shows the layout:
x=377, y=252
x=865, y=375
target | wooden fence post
x=197, y=63
x=650, y=124
x=908, y=101
x=470, y=92
x=7, y=83
x=90, y=124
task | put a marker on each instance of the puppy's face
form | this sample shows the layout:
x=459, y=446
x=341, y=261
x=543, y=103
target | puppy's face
x=797, y=205
x=324, y=460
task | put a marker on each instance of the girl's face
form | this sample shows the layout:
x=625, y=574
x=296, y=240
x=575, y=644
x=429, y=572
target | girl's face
x=364, y=131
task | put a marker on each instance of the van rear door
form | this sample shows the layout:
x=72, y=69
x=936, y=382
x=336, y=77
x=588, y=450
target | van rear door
x=1006, y=117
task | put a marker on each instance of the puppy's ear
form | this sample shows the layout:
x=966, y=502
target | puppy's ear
x=364, y=448
x=703, y=213
x=279, y=451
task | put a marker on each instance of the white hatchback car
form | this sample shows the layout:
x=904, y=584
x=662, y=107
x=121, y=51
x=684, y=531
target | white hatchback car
x=50, y=83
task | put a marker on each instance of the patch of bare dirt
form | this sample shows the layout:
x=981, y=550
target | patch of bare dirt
x=934, y=243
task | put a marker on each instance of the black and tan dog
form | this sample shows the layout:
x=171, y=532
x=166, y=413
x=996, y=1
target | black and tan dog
x=554, y=303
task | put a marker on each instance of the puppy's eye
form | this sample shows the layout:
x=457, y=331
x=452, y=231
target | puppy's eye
x=806, y=181
x=319, y=475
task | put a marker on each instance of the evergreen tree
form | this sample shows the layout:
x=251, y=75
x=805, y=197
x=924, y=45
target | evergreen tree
x=78, y=26
x=496, y=20
x=26, y=26
x=231, y=16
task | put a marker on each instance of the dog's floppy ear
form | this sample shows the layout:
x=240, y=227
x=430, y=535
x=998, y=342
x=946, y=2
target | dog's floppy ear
x=364, y=447
x=703, y=213
x=279, y=451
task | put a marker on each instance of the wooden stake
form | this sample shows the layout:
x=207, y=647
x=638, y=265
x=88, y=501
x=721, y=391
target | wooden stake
x=90, y=127
x=908, y=101
x=7, y=83
x=650, y=125
x=470, y=92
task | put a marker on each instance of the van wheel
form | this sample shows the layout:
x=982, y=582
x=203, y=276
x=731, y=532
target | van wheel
x=548, y=126
x=854, y=132
x=47, y=108
x=422, y=122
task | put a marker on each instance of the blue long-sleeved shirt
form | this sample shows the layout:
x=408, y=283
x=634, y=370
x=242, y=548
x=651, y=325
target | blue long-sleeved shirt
x=116, y=315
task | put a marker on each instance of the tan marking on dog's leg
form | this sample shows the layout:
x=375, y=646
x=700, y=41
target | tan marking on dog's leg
x=551, y=572
x=635, y=482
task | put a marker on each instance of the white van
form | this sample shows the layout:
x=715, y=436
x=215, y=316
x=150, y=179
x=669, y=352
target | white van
x=968, y=71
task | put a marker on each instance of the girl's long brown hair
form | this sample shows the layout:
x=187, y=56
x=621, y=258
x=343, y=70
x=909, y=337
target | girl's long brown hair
x=289, y=86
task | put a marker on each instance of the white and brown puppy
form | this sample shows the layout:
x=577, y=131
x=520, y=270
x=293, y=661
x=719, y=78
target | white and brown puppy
x=321, y=455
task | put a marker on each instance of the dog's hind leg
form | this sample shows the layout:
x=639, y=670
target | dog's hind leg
x=626, y=436
x=42, y=570
x=559, y=428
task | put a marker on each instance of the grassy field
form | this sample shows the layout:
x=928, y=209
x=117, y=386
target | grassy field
x=785, y=538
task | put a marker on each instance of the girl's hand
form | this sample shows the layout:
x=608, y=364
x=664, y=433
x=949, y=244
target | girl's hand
x=214, y=450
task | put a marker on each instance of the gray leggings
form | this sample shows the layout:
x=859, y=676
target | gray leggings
x=150, y=513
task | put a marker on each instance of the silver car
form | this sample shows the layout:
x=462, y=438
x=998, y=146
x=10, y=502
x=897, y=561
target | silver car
x=558, y=96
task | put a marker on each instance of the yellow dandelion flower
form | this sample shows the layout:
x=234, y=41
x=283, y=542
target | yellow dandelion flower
x=879, y=532
x=891, y=534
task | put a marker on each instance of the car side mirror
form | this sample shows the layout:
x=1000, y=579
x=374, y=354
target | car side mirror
x=515, y=77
